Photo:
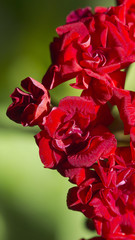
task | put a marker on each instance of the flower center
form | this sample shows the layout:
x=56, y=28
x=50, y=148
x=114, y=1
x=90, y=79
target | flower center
x=93, y=59
x=70, y=136
x=99, y=58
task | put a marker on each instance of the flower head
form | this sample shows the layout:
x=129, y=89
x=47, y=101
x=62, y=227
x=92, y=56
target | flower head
x=29, y=108
x=91, y=48
x=72, y=134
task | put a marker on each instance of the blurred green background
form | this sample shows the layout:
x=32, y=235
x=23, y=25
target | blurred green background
x=33, y=199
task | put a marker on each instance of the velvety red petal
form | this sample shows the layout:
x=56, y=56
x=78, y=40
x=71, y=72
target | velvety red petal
x=118, y=78
x=52, y=78
x=102, y=90
x=34, y=87
x=104, y=116
x=101, y=145
x=85, y=194
x=46, y=153
x=123, y=156
x=75, y=175
x=82, y=107
x=28, y=115
x=20, y=101
x=125, y=101
x=72, y=199
x=78, y=14
x=132, y=143
x=73, y=31
x=54, y=120
x=70, y=69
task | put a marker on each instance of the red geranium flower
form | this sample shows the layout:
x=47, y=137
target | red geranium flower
x=100, y=176
x=107, y=195
x=71, y=134
x=92, y=48
x=29, y=108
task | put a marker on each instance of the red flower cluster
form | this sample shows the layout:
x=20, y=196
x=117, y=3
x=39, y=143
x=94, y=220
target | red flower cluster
x=75, y=139
x=107, y=195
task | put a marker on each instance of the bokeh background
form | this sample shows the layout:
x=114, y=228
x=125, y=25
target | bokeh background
x=33, y=199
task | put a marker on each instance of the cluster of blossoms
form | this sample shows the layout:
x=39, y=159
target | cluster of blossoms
x=96, y=50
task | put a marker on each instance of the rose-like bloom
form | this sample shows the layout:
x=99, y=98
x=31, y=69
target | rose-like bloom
x=108, y=196
x=99, y=177
x=92, y=49
x=73, y=135
x=29, y=108
x=117, y=217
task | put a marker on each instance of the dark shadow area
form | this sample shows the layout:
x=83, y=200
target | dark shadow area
x=89, y=224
